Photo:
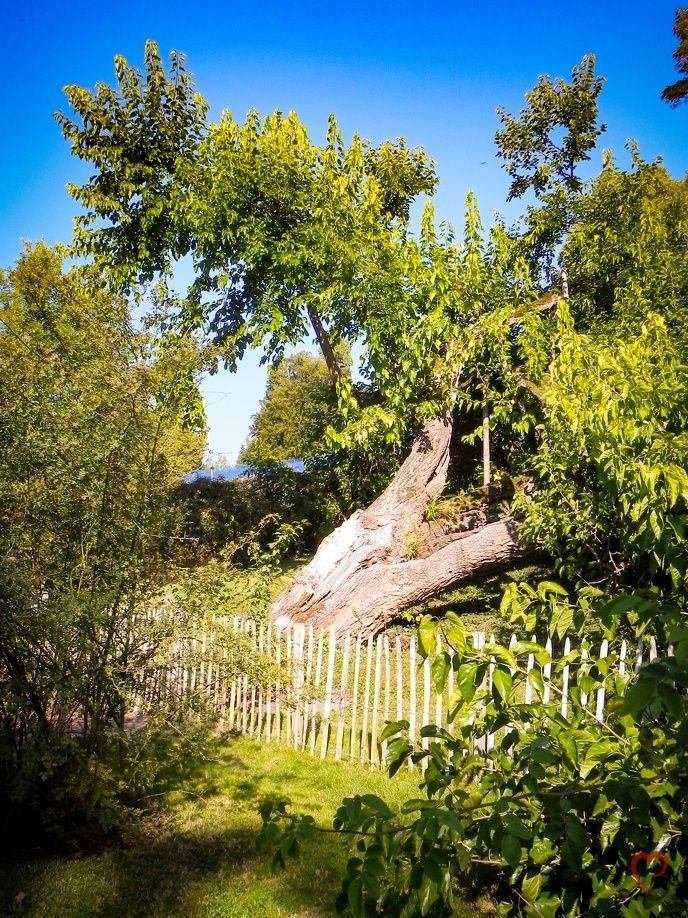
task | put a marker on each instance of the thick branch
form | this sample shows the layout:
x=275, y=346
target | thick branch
x=370, y=597
x=325, y=345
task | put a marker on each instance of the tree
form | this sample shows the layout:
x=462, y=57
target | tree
x=298, y=407
x=93, y=441
x=678, y=92
x=625, y=254
x=543, y=148
x=548, y=802
x=289, y=237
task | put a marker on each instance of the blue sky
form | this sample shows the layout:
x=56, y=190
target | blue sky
x=433, y=74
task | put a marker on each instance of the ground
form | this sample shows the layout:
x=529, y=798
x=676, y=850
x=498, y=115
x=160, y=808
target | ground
x=198, y=858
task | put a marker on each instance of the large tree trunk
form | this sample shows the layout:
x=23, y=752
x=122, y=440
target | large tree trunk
x=386, y=558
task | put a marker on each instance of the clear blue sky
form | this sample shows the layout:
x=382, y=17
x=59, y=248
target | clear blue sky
x=433, y=73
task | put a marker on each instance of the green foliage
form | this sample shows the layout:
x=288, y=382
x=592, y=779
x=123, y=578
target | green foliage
x=143, y=139
x=247, y=518
x=626, y=253
x=612, y=479
x=542, y=149
x=544, y=145
x=294, y=416
x=558, y=808
x=678, y=92
x=288, y=236
x=91, y=414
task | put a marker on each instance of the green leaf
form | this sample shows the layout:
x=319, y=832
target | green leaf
x=455, y=632
x=356, y=896
x=377, y=804
x=394, y=727
x=541, y=850
x=517, y=827
x=427, y=635
x=503, y=682
x=562, y=620
x=511, y=850
x=568, y=744
x=637, y=697
x=440, y=669
x=671, y=699
x=465, y=680
x=549, y=586
x=531, y=885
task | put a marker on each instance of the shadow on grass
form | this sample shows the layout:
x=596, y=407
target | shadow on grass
x=202, y=861
x=167, y=876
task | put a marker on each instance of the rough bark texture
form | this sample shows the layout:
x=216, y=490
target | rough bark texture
x=368, y=571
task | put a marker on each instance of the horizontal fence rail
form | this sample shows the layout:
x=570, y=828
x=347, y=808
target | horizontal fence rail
x=333, y=694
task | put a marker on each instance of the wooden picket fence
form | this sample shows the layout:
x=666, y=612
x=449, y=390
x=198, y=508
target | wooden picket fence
x=333, y=694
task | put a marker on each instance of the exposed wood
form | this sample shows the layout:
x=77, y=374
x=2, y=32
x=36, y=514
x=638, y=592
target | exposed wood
x=376, y=594
x=362, y=576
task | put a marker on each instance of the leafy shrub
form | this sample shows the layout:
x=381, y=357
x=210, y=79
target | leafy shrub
x=559, y=807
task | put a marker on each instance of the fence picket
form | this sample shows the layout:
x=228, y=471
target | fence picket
x=343, y=691
x=366, y=699
x=300, y=698
x=309, y=673
x=425, y=742
x=565, y=676
x=388, y=679
x=299, y=719
x=268, y=692
x=374, y=753
x=400, y=680
x=547, y=672
x=332, y=647
x=599, y=710
x=353, y=744
x=412, y=693
x=278, y=685
x=584, y=695
x=316, y=689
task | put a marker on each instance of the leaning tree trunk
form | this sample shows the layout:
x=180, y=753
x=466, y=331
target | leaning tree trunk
x=386, y=558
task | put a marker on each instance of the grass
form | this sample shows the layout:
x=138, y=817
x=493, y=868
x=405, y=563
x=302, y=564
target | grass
x=200, y=859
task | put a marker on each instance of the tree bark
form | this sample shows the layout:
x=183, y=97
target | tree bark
x=386, y=558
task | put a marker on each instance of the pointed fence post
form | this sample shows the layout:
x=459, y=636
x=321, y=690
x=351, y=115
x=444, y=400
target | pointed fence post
x=268, y=695
x=565, y=683
x=309, y=672
x=316, y=690
x=412, y=693
x=353, y=745
x=332, y=646
x=366, y=700
x=425, y=742
x=374, y=752
x=599, y=711
x=343, y=693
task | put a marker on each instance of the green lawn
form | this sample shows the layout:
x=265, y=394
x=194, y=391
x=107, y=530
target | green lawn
x=202, y=859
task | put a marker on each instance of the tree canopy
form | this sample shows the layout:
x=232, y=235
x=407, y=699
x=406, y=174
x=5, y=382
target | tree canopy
x=298, y=407
x=678, y=92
